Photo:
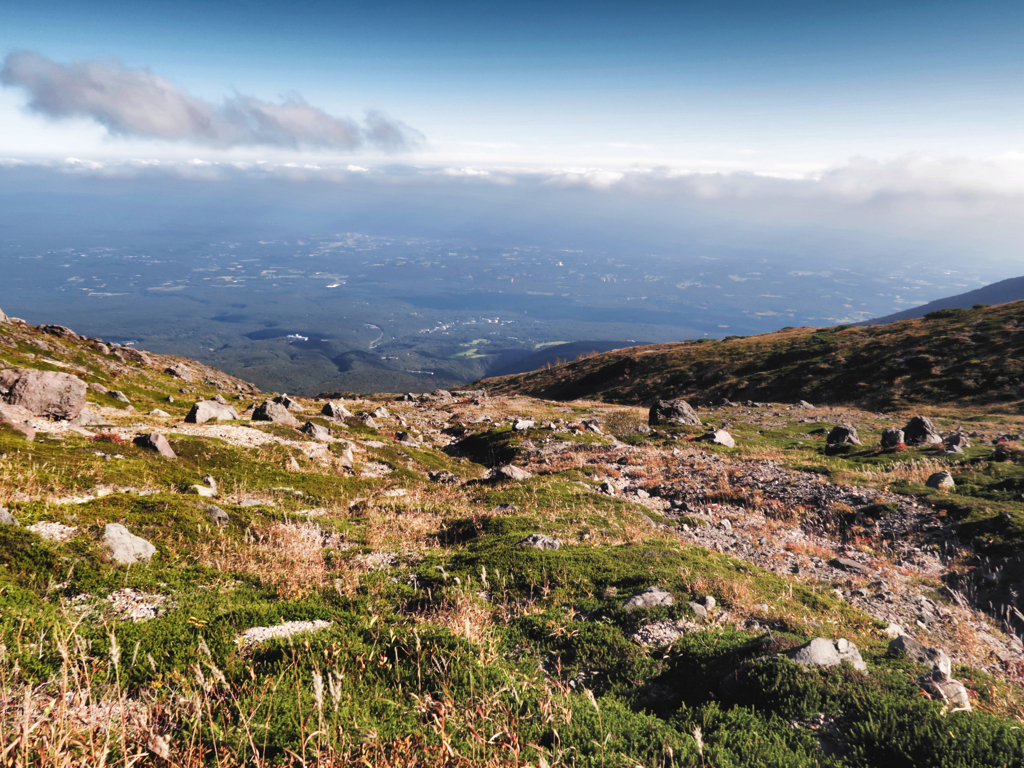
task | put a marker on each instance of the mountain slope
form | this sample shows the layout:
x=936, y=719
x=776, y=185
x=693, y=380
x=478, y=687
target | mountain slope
x=958, y=355
x=1003, y=292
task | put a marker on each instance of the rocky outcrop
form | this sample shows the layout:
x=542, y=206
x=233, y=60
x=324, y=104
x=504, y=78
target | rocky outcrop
x=210, y=410
x=60, y=331
x=44, y=393
x=672, y=412
x=268, y=410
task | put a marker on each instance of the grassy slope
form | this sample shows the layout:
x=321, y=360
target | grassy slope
x=448, y=645
x=965, y=356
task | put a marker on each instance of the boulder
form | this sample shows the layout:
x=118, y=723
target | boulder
x=367, y=419
x=97, y=387
x=323, y=434
x=891, y=437
x=6, y=518
x=120, y=396
x=88, y=418
x=217, y=516
x=268, y=410
x=700, y=611
x=933, y=657
x=718, y=437
x=521, y=425
x=821, y=652
x=803, y=405
x=851, y=566
x=672, y=412
x=592, y=425
x=407, y=439
x=159, y=414
x=288, y=402
x=210, y=410
x=335, y=411
x=381, y=412
x=507, y=472
x=154, y=441
x=843, y=433
x=941, y=480
x=44, y=393
x=219, y=398
x=539, y=541
x=179, y=372
x=3, y=317
x=347, y=459
x=921, y=431
x=648, y=598
x=133, y=355
x=944, y=688
x=957, y=440
x=125, y=547
x=60, y=331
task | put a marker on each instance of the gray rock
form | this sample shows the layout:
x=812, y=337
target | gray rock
x=292, y=465
x=851, y=566
x=709, y=602
x=44, y=393
x=957, y=440
x=381, y=412
x=539, y=541
x=268, y=410
x=6, y=518
x=97, y=387
x=521, y=425
x=672, y=412
x=323, y=434
x=933, y=657
x=921, y=431
x=608, y=488
x=132, y=355
x=159, y=414
x=843, y=433
x=347, y=459
x=407, y=439
x=154, y=441
x=941, y=686
x=804, y=405
x=219, y=398
x=288, y=402
x=821, y=652
x=118, y=395
x=335, y=411
x=210, y=410
x=217, y=515
x=88, y=418
x=649, y=598
x=700, y=610
x=179, y=372
x=125, y=547
x=3, y=317
x=367, y=419
x=941, y=480
x=718, y=437
x=891, y=437
x=593, y=425
x=508, y=472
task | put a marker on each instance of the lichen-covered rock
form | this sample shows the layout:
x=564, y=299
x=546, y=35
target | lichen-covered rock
x=125, y=547
x=649, y=598
x=210, y=410
x=268, y=410
x=672, y=412
x=821, y=652
x=539, y=541
x=44, y=393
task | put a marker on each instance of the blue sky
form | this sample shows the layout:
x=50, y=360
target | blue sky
x=897, y=119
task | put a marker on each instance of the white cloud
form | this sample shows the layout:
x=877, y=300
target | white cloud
x=138, y=102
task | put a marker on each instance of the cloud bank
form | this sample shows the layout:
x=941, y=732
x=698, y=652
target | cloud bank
x=138, y=102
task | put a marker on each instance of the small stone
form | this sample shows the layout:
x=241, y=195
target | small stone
x=700, y=610
x=852, y=566
x=539, y=541
x=120, y=396
x=521, y=425
x=718, y=437
x=159, y=414
x=709, y=602
x=508, y=472
x=6, y=518
x=648, y=598
x=292, y=465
